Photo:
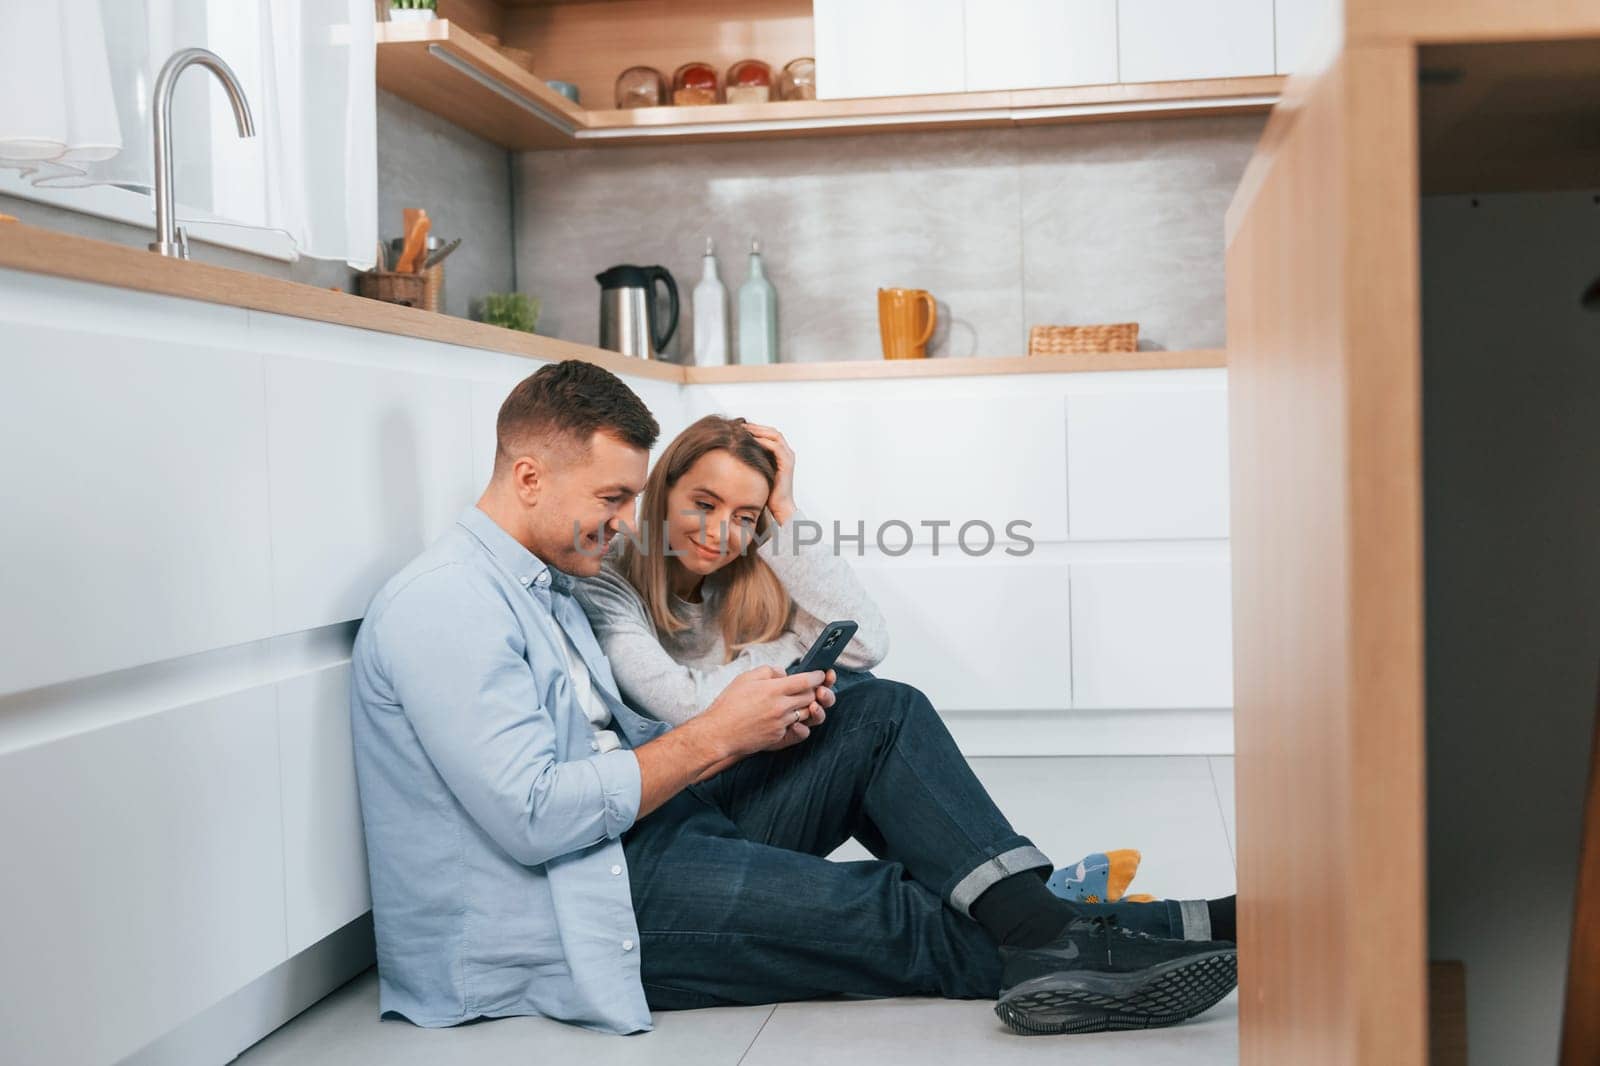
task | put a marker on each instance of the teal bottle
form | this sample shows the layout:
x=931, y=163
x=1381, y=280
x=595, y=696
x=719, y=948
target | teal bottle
x=758, y=314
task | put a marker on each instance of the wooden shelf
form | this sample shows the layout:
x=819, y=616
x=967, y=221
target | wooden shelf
x=444, y=69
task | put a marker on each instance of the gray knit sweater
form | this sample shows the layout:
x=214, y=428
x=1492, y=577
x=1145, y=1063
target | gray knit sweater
x=675, y=677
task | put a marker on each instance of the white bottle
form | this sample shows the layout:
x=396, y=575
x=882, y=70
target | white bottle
x=758, y=314
x=710, y=314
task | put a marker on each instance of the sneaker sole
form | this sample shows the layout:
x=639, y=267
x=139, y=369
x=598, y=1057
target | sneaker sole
x=1089, y=1002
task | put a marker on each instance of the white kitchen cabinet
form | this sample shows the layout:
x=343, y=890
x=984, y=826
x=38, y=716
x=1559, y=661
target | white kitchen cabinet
x=1303, y=29
x=134, y=471
x=324, y=852
x=142, y=878
x=889, y=47
x=1147, y=465
x=975, y=635
x=1036, y=44
x=1152, y=633
x=367, y=468
x=1175, y=40
x=882, y=453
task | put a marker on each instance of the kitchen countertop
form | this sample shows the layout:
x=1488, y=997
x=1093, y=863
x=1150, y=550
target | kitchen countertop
x=44, y=251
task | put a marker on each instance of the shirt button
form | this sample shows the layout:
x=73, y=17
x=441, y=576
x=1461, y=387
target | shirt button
x=627, y=945
x=594, y=745
x=616, y=871
x=525, y=579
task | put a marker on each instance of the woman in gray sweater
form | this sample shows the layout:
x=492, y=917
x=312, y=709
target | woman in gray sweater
x=679, y=624
x=715, y=583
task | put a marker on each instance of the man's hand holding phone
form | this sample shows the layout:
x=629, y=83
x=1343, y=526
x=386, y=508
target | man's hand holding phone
x=765, y=709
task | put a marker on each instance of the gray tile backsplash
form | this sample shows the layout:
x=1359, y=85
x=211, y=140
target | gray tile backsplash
x=1006, y=227
x=1100, y=222
x=463, y=182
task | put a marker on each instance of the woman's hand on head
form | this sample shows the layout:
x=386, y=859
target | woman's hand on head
x=781, y=500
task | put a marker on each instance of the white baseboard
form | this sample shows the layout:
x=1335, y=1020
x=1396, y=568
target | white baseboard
x=218, y=1034
x=1161, y=732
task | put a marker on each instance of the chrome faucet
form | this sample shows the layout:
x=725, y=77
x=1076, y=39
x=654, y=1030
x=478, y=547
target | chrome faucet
x=170, y=239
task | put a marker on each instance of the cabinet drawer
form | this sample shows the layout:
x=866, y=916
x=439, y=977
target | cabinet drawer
x=895, y=461
x=1037, y=44
x=1152, y=634
x=888, y=47
x=367, y=467
x=1148, y=465
x=325, y=855
x=134, y=469
x=1174, y=40
x=976, y=635
x=145, y=877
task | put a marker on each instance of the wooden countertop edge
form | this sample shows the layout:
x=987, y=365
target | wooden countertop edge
x=44, y=251
x=36, y=250
x=861, y=369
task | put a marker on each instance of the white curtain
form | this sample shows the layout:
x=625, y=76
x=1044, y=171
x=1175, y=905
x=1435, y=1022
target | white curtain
x=76, y=78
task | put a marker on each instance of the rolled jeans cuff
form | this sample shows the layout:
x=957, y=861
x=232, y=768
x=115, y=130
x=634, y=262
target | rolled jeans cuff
x=993, y=871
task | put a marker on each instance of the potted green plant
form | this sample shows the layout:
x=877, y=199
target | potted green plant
x=411, y=10
x=509, y=310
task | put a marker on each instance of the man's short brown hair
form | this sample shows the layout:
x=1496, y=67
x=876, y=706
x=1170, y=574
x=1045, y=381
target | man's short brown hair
x=562, y=406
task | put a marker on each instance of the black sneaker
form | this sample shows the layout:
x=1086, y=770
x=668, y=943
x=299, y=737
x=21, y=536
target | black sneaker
x=1097, y=976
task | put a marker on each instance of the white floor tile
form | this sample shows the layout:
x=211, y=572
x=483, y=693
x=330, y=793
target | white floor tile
x=344, y=1029
x=927, y=1032
x=1222, y=772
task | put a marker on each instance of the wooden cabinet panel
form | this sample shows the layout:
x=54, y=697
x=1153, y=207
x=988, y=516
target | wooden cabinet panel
x=1039, y=44
x=1172, y=40
x=889, y=47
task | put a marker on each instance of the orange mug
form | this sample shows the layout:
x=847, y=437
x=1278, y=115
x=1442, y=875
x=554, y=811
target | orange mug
x=906, y=318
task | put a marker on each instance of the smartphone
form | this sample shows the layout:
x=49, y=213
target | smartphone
x=826, y=649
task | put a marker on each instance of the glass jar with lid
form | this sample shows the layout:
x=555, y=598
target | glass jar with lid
x=641, y=87
x=695, y=83
x=799, y=80
x=749, y=82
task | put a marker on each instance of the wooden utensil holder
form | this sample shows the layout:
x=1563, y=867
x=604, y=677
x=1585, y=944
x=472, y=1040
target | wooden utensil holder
x=409, y=290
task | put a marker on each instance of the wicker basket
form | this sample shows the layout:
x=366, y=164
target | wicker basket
x=1066, y=340
x=390, y=287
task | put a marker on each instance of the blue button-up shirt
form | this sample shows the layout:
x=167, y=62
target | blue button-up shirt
x=492, y=821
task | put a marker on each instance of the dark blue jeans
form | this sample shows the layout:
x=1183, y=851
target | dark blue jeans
x=736, y=902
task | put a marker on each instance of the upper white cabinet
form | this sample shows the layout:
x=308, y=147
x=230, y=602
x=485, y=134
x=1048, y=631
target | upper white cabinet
x=911, y=47
x=889, y=47
x=1175, y=40
x=1037, y=44
x=1302, y=26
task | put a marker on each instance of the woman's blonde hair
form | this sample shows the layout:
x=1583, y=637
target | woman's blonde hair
x=754, y=605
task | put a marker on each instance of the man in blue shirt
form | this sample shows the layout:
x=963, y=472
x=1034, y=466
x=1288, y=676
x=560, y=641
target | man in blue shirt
x=537, y=847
